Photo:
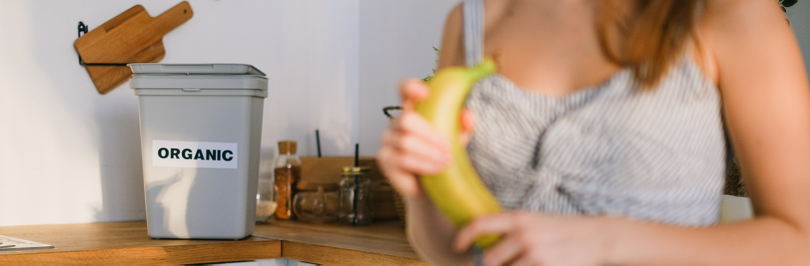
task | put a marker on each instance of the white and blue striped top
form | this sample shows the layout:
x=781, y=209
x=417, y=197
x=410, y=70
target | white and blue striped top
x=613, y=149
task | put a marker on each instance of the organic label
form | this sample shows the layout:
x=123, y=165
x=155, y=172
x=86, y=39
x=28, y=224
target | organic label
x=194, y=154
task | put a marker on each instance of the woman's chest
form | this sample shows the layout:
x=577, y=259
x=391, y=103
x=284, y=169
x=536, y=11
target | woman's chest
x=527, y=131
x=550, y=47
x=610, y=139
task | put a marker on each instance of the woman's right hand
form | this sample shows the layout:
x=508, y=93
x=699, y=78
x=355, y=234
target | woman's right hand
x=411, y=146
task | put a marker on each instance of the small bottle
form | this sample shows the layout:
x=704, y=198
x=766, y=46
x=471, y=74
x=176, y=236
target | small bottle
x=288, y=172
x=355, y=196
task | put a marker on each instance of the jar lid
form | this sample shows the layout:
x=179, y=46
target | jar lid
x=304, y=185
x=286, y=147
x=355, y=169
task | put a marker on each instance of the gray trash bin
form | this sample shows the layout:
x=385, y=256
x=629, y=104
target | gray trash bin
x=200, y=137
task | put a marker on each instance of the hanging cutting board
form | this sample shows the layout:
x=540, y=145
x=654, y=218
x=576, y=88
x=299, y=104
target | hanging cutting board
x=131, y=37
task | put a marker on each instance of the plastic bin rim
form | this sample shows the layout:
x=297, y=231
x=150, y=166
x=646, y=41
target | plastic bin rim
x=195, y=69
x=201, y=82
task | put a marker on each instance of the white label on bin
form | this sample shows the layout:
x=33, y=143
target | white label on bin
x=194, y=154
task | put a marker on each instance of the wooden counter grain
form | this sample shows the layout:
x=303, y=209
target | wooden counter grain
x=382, y=243
x=128, y=243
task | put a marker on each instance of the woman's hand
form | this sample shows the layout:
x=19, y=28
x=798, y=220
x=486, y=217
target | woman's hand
x=539, y=239
x=412, y=146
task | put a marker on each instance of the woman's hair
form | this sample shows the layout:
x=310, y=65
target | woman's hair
x=646, y=35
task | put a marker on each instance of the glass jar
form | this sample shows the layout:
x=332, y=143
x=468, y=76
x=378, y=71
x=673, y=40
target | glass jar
x=316, y=202
x=355, y=196
x=265, y=198
x=288, y=172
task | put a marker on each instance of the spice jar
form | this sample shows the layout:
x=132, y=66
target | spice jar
x=288, y=172
x=355, y=196
x=316, y=202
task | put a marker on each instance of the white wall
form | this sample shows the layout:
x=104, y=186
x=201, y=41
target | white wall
x=396, y=40
x=70, y=155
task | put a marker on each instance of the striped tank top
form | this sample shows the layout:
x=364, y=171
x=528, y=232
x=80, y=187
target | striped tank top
x=612, y=149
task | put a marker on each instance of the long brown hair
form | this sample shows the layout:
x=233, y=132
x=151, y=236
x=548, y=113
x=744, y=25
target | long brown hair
x=648, y=36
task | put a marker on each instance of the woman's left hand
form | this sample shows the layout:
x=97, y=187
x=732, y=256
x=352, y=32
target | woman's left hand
x=540, y=239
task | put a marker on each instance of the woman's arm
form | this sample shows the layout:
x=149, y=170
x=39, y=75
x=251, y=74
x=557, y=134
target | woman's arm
x=412, y=147
x=766, y=102
x=429, y=231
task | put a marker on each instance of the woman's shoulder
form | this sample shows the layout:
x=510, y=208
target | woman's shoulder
x=452, y=46
x=726, y=24
x=740, y=18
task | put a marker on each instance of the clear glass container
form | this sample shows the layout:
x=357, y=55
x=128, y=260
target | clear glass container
x=355, y=196
x=265, y=198
x=316, y=202
x=287, y=174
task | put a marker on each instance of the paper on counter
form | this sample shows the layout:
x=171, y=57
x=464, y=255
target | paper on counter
x=10, y=243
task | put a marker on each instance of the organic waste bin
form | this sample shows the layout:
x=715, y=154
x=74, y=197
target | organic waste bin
x=200, y=138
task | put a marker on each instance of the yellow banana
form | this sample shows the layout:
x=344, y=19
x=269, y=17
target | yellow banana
x=457, y=191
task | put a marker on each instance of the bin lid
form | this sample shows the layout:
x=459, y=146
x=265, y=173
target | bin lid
x=198, y=79
x=195, y=69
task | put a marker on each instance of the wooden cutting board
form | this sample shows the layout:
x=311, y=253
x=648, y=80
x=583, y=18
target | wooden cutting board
x=131, y=37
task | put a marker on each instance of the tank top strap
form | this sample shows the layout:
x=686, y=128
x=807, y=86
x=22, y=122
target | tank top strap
x=474, y=31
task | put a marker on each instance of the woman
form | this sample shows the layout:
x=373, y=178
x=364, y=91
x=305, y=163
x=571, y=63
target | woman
x=604, y=134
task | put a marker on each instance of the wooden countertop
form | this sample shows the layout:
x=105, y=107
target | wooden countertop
x=382, y=243
x=128, y=243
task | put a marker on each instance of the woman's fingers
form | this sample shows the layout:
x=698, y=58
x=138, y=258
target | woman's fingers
x=537, y=239
x=404, y=182
x=410, y=145
x=415, y=90
x=467, y=125
x=412, y=91
x=413, y=154
x=518, y=239
x=412, y=123
x=506, y=251
x=497, y=224
x=413, y=146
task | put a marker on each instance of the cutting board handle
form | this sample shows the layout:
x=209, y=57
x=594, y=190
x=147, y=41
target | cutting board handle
x=173, y=17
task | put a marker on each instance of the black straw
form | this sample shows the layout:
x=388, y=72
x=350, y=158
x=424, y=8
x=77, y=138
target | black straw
x=318, y=140
x=356, y=154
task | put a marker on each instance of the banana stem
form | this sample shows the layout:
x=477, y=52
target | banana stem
x=486, y=67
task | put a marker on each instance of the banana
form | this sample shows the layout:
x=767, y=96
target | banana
x=457, y=191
